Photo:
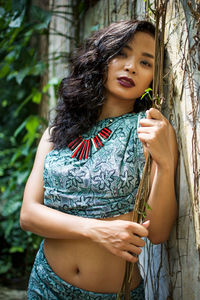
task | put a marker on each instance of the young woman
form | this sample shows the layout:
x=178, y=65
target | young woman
x=80, y=194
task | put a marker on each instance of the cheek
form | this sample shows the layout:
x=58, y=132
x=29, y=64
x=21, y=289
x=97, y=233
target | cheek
x=148, y=79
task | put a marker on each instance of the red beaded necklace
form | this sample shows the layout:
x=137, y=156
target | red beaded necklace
x=81, y=148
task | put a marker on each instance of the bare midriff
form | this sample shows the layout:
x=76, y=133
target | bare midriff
x=88, y=265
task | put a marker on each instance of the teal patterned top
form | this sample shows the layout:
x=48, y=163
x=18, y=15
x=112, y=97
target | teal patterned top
x=105, y=184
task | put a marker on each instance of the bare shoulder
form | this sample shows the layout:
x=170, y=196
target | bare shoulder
x=44, y=147
x=34, y=185
x=45, y=143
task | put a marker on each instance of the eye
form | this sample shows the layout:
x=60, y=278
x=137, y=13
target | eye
x=146, y=63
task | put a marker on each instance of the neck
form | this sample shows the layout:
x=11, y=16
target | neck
x=111, y=110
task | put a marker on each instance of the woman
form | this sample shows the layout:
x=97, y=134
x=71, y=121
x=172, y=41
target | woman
x=90, y=164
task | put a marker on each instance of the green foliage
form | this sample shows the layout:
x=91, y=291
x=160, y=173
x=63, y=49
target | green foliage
x=148, y=92
x=20, y=96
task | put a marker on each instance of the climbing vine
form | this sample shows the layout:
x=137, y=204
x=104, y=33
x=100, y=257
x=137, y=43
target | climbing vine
x=141, y=205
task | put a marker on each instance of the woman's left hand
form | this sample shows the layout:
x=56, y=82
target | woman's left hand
x=158, y=137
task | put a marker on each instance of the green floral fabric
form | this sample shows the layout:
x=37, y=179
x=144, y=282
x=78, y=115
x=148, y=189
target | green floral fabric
x=105, y=184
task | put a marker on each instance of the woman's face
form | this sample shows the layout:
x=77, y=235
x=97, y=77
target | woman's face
x=131, y=71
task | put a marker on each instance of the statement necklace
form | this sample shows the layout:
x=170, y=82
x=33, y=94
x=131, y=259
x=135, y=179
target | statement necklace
x=81, y=148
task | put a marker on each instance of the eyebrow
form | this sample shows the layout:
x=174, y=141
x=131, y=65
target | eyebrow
x=143, y=53
x=147, y=54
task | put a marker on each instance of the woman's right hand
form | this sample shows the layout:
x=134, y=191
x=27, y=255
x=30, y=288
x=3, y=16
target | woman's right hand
x=121, y=238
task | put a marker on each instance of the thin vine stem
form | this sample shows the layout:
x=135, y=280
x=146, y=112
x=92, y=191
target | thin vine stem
x=142, y=196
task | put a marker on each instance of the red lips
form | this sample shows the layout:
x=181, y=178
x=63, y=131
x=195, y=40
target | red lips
x=126, y=81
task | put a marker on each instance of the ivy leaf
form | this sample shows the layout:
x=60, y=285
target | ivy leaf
x=15, y=249
x=52, y=82
x=32, y=124
x=147, y=206
x=4, y=70
x=22, y=74
x=22, y=177
x=17, y=20
x=37, y=96
x=147, y=92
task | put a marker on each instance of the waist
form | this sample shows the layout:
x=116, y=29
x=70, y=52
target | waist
x=87, y=265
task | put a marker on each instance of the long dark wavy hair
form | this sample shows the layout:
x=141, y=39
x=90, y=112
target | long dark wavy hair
x=82, y=93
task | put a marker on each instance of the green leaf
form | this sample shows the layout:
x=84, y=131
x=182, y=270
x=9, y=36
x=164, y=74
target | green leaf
x=42, y=16
x=5, y=266
x=19, y=129
x=37, y=96
x=12, y=75
x=15, y=157
x=9, y=227
x=38, y=69
x=15, y=249
x=22, y=105
x=52, y=82
x=147, y=206
x=17, y=19
x=32, y=124
x=22, y=74
x=147, y=92
x=12, y=55
x=4, y=103
x=22, y=177
x=4, y=70
x=10, y=207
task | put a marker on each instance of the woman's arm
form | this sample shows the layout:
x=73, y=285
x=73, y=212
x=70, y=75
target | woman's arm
x=118, y=236
x=38, y=218
x=158, y=137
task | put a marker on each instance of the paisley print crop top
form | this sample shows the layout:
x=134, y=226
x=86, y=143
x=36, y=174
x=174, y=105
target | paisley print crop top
x=105, y=184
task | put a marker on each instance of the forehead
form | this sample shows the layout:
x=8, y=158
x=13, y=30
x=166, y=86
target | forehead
x=142, y=41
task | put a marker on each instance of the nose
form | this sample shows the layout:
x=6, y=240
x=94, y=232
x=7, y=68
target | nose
x=130, y=67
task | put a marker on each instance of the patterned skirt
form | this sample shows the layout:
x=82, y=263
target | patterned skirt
x=45, y=284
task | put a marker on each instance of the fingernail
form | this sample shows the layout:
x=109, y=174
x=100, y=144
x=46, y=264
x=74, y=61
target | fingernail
x=146, y=222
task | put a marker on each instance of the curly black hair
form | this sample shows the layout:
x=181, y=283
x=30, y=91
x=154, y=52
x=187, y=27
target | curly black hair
x=82, y=93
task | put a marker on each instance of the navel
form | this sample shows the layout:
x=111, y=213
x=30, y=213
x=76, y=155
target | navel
x=77, y=271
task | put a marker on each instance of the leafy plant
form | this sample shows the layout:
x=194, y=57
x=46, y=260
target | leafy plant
x=20, y=96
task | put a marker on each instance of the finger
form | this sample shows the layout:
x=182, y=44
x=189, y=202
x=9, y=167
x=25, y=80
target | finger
x=125, y=255
x=149, y=122
x=144, y=138
x=154, y=113
x=132, y=249
x=144, y=129
x=137, y=241
x=129, y=257
x=146, y=224
x=138, y=229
